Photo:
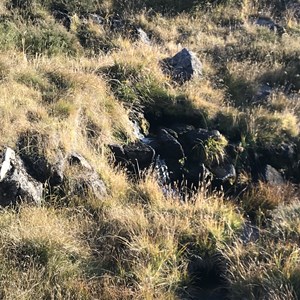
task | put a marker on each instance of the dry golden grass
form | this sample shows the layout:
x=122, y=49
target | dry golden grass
x=140, y=240
x=43, y=250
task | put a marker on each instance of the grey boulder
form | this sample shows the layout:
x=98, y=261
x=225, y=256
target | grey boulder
x=134, y=156
x=183, y=66
x=271, y=176
x=16, y=184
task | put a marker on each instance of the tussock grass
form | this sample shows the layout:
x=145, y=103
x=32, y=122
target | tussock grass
x=71, y=88
x=160, y=235
x=42, y=250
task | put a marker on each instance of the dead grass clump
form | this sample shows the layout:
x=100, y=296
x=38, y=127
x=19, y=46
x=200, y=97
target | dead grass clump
x=261, y=199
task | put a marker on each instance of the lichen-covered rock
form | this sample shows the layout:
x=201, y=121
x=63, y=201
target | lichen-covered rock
x=183, y=66
x=15, y=183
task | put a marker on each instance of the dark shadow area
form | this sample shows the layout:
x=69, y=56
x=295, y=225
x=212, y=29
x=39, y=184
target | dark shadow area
x=206, y=278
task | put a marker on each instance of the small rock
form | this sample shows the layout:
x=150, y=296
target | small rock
x=250, y=233
x=269, y=23
x=116, y=23
x=143, y=37
x=140, y=154
x=183, y=66
x=87, y=184
x=169, y=147
x=225, y=172
x=134, y=156
x=15, y=183
x=272, y=176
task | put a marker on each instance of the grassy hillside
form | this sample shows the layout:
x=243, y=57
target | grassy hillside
x=75, y=77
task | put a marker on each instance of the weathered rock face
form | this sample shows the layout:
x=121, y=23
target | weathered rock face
x=183, y=66
x=134, y=156
x=35, y=161
x=15, y=183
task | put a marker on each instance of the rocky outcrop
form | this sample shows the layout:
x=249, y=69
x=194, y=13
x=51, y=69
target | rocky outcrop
x=134, y=156
x=16, y=184
x=23, y=179
x=183, y=66
x=181, y=157
x=36, y=162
